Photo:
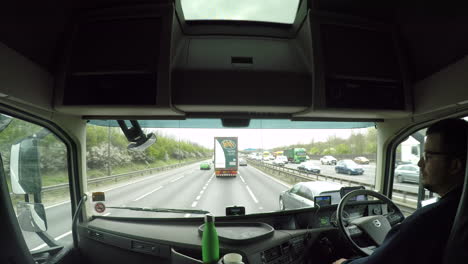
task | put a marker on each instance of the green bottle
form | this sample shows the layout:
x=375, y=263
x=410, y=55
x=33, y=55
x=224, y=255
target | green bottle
x=210, y=242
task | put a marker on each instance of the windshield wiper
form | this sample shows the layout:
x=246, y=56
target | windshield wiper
x=161, y=210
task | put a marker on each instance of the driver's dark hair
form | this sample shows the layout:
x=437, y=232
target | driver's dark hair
x=454, y=134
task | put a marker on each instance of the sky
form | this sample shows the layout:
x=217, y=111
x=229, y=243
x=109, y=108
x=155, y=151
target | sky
x=281, y=11
x=257, y=138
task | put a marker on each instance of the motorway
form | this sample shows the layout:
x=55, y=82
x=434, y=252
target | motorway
x=188, y=188
x=183, y=188
x=368, y=177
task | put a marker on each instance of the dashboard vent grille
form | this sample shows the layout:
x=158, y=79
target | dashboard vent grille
x=272, y=253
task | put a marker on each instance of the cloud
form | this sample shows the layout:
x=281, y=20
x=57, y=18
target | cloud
x=281, y=11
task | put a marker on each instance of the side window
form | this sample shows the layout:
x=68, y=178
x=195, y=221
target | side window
x=36, y=170
x=406, y=178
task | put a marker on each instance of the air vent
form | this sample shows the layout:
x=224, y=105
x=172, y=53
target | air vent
x=272, y=253
x=242, y=60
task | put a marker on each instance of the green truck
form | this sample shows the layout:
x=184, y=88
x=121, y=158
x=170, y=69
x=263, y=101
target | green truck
x=295, y=155
x=226, y=156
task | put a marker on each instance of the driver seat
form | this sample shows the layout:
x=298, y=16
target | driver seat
x=456, y=250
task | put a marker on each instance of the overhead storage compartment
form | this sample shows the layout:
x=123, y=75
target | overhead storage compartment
x=228, y=74
x=117, y=62
x=358, y=66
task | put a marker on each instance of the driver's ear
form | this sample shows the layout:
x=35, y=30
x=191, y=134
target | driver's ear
x=456, y=166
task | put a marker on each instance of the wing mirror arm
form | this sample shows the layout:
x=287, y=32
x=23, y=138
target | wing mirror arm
x=134, y=134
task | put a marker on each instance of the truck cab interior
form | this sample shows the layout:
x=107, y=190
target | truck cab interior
x=77, y=74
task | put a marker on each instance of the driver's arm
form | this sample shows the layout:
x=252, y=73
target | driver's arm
x=387, y=251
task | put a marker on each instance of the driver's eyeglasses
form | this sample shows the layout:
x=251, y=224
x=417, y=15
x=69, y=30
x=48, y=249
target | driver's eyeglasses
x=429, y=154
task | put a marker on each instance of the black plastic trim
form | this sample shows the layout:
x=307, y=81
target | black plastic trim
x=72, y=150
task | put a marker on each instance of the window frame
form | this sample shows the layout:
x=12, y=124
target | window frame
x=72, y=159
x=391, y=149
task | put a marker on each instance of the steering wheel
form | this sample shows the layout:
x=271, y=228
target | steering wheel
x=374, y=226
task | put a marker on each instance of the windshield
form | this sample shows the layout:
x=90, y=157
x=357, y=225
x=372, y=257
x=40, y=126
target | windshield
x=195, y=165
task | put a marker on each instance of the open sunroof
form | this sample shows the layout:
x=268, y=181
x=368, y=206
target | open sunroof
x=273, y=11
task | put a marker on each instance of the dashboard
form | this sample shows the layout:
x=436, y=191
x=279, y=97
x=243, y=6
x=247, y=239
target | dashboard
x=294, y=235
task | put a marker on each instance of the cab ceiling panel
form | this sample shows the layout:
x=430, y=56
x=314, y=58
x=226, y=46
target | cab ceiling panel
x=236, y=73
x=117, y=62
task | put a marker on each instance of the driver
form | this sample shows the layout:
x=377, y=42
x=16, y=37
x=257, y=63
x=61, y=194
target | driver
x=421, y=237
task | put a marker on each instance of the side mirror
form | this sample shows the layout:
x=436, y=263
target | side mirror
x=32, y=217
x=24, y=167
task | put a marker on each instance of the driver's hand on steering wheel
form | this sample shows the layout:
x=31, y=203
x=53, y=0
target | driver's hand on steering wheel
x=341, y=260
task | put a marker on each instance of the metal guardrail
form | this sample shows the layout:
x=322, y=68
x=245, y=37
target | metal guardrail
x=403, y=200
x=117, y=176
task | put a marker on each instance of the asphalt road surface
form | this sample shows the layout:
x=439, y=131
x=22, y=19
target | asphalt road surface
x=368, y=176
x=186, y=188
x=183, y=188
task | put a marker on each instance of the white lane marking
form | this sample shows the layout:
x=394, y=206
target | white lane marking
x=63, y=235
x=176, y=179
x=110, y=189
x=276, y=180
x=54, y=205
x=106, y=214
x=407, y=198
x=242, y=179
x=39, y=247
x=198, y=197
x=57, y=238
x=194, y=204
x=123, y=205
x=251, y=194
x=162, y=174
x=261, y=208
x=201, y=192
x=146, y=194
x=187, y=215
x=204, y=187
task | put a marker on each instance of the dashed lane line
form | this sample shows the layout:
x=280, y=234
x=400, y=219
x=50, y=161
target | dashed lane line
x=251, y=194
x=146, y=194
x=202, y=191
x=56, y=238
x=242, y=179
x=176, y=179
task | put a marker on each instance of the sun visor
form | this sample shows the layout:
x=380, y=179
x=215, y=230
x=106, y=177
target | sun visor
x=254, y=124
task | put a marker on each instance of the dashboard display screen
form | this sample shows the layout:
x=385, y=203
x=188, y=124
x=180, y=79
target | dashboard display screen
x=346, y=190
x=322, y=200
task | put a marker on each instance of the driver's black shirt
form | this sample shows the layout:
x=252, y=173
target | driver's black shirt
x=420, y=238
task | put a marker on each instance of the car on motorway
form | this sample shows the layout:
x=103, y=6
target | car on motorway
x=407, y=173
x=349, y=167
x=205, y=166
x=328, y=160
x=361, y=160
x=302, y=194
x=278, y=162
x=242, y=162
x=266, y=158
x=282, y=158
x=309, y=167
